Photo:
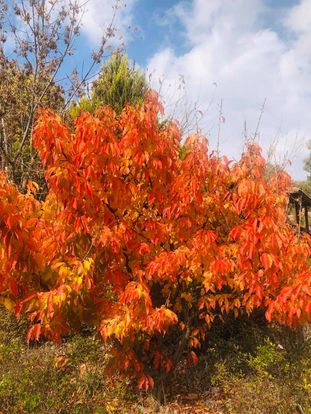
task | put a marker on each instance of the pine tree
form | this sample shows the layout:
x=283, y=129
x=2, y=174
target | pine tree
x=118, y=84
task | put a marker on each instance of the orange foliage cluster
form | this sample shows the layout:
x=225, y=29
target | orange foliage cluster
x=145, y=241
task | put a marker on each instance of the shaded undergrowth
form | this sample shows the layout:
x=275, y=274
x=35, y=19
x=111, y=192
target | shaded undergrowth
x=246, y=367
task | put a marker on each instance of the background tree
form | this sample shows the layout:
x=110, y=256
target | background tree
x=18, y=157
x=43, y=35
x=118, y=84
x=306, y=184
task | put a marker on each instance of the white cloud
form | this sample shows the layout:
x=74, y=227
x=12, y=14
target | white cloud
x=101, y=13
x=298, y=18
x=230, y=44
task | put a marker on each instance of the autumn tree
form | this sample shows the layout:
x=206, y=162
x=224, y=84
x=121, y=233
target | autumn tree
x=41, y=40
x=149, y=246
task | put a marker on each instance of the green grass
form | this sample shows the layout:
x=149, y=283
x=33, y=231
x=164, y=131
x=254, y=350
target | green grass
x=50, y=378
x=246, y=367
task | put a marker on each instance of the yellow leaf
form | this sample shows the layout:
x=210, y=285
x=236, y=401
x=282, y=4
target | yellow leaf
x=7, y=302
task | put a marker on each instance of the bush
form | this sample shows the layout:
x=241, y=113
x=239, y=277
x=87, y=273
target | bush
x=150, y=244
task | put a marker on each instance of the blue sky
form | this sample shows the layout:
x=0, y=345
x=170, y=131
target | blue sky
x=159, y=27
x=152, y=18
x=221, y=57
x=207, y=57
x=233, y=55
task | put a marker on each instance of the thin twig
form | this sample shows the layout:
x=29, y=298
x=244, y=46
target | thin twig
x=220, y=120
x=260, y=118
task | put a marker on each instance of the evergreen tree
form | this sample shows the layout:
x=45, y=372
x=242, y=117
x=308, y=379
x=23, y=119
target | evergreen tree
x=118, y=84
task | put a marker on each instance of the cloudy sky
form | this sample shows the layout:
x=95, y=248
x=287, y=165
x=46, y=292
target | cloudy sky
x=224, y=66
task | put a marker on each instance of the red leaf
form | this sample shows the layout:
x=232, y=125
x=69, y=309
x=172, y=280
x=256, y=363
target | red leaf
x=194, y=358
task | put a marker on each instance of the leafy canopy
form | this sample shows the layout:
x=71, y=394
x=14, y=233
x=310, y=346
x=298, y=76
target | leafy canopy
x=17, y=155
x=118, y=84
x=145, y=244
x=306, y=185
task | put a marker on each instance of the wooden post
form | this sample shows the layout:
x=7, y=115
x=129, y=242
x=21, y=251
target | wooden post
x=297, y=212
x=307, y=218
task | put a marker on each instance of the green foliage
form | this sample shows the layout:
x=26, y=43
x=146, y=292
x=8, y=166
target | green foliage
x=49, y=378
x=306, y=185
x=268, y=359
x=308, y=161
x=246, y=367
x=269, y=370
x=118, y=84
x=183, y=152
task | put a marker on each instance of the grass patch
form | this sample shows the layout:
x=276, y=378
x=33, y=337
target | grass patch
x=50, y=378
x=246, y=367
